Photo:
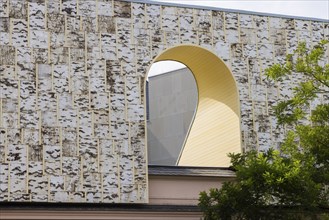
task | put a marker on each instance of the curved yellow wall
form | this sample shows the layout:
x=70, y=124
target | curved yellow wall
x=216, y=128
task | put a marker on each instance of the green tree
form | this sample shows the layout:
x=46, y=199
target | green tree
x=290, y=182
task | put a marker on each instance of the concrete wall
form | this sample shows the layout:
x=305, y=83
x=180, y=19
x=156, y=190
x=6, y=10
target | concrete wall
x=173, y=99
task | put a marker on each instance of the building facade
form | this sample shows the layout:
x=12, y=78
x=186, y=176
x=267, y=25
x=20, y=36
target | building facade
x=72, y=106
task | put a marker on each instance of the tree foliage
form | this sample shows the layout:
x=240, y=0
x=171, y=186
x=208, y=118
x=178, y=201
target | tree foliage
x=292, y=181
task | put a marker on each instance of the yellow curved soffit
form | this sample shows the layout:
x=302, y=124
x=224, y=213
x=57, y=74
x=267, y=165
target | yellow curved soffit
x=215, y=131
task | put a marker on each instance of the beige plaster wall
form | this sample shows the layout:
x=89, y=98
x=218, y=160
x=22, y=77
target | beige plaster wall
x=178, y=190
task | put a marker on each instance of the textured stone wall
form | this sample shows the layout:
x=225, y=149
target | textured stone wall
x=72, y=79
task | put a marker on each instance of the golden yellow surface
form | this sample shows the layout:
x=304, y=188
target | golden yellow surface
x=215, y=130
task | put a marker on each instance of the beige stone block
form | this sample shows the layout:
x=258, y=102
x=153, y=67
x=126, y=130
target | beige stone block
x=50, y=135
x=153, y=21
x=10, y=105
x=77, y=197
x=3, y=150
x=97, y=84
x=288, y=23
x=109, y=164
x=31, y=136
x=266, y=51
x=69, y=7
x=232, y=36
x=59, y=196
x=170, y=23
x=128, y=194
x=52, y=152
x=17, y=186
x=102, y=131
x=37, y=197
x=117, y=113
x=95, y=62
x=89, y=24
x=80, y=84
x=56, y=183
x=9, y=59
x=38, y=186
x=112, y=196
x=101, y=116
x=4, y=38
x=49, y=118
x=37, y=20
x=106, y=24
x=119, y=129
x=99, y=101
x=93, y=197
x=59, y=55
x=93, y=39
x=7, y=71
x=4, y=11
x=52, y=168
x=35, y=169
x=135, y=112
x=122, y=9
x=81, y=101
x=18, y=9
x=92, y=182
x=110, y=180
x=105, y=8
x=10, y=120
x=39, y=39
x=302, y=25
x=260, y=22
x=57, y=40
x=53, y=6
x=77, y=69
x=73, y=183
x=75, y=39
x=87, y=8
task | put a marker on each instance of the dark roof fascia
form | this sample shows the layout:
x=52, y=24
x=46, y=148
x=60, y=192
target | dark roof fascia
x=45, y=206
x=227, y=10
x=185, y=171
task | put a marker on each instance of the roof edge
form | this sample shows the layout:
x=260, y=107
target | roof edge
x=92, y=207
x=192, y=171
x=228, y=10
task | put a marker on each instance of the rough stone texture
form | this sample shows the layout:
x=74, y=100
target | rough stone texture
x=72, y=86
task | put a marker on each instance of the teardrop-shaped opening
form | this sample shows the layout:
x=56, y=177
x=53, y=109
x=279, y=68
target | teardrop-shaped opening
x=172, y=97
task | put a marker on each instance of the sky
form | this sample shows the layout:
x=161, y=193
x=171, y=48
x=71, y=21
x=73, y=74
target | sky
x=302, y=8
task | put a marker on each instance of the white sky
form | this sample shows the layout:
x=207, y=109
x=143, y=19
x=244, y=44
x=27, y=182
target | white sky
x=301, y=8
x=163, y=67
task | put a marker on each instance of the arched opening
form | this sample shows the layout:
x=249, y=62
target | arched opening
x=215, y=131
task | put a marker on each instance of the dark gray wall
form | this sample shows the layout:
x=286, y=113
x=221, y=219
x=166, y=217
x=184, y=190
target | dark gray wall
x=172, y=102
